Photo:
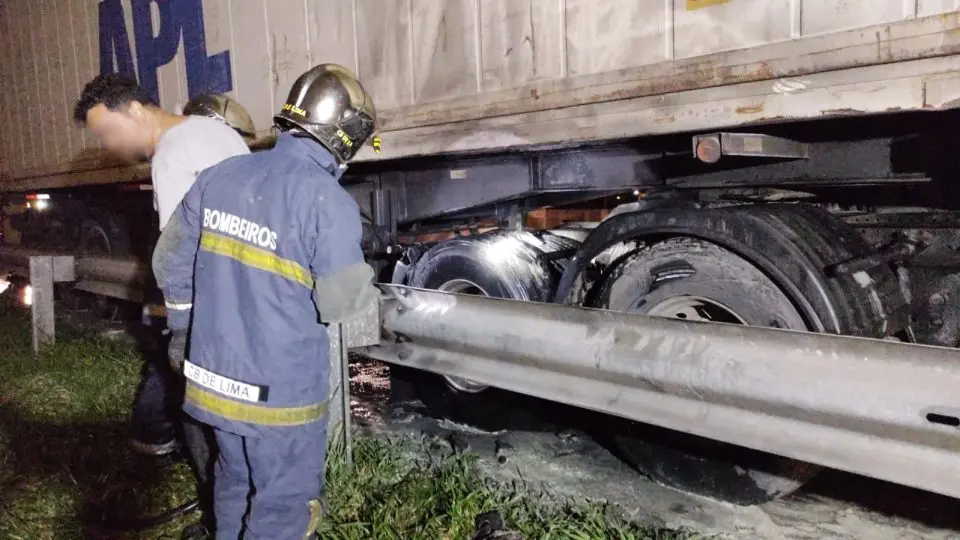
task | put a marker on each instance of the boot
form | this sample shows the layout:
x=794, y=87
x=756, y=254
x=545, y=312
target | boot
x=490, y=526
x=197, y=531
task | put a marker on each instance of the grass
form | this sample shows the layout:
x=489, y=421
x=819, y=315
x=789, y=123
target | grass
x=66, y=473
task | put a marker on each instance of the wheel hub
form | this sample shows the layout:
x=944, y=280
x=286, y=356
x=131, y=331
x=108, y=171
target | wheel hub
x=464, y=286
x=695, y=308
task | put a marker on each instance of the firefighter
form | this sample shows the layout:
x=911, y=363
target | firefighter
x=264, y=250
x=198, y=436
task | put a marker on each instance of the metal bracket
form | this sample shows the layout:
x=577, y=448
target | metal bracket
x=711, y=147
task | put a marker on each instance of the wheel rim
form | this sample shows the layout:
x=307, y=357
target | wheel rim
x=695, y=308
x=96, y=243
x=464, y=286
x=92, y=242
x=698, y=308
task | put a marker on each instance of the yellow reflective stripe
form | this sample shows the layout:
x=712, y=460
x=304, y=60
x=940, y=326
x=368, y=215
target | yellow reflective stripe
x=178, y=307
x=253, y=414
x=255, y=257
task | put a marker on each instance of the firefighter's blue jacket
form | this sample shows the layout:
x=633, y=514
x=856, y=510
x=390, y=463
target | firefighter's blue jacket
x=263, y=249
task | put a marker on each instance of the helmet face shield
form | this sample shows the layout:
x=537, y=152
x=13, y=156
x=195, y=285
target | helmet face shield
x=329, y=104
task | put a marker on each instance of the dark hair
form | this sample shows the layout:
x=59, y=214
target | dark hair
x=111, y=90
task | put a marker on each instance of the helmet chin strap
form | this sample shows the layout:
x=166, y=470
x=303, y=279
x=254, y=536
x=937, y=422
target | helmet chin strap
x=300, y=133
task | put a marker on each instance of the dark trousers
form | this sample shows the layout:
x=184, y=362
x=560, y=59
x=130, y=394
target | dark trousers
x=156, y=411
x=157, y=415
x=202, y=447
x=269, y=487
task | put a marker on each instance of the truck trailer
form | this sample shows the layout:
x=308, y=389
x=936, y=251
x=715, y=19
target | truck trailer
x=785, y=164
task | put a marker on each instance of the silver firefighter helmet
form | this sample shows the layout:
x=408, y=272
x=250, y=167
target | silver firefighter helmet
x=330, y=105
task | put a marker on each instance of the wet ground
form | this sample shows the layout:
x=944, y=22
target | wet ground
x=565, y=461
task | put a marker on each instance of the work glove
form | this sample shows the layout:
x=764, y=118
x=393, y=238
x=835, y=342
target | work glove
x=177, y=350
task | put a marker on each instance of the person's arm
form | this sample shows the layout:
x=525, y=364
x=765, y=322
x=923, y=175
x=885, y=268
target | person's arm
x=173, y=179
x=173, y=263
x=343, y=281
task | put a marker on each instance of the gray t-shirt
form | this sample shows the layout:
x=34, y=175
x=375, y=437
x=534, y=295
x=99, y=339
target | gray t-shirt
x=183, y=152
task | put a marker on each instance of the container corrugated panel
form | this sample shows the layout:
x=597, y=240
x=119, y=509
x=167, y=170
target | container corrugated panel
x=475, y=54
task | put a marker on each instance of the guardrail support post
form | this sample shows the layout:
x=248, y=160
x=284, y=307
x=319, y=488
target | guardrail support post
x=339, y=410
x=42, y=315
x=361, y=332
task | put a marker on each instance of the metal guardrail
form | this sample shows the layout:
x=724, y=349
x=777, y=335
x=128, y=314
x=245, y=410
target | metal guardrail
x=879, y=408
x=117, y=278
x=126, y=278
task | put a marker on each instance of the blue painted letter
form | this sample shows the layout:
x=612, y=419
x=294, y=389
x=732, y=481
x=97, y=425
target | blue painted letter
x=204, y=73
x=153, y=52
x=113, y=39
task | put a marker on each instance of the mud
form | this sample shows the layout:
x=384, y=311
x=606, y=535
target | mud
x=569, y=463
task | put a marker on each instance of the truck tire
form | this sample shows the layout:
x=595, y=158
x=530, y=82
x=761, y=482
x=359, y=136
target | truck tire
x=694, y=279
x=106, y=239
x=515, y=265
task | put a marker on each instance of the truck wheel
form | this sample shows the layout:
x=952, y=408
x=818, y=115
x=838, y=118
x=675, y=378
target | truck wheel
x=692, y=279
x=515, y=265
x=97, y=240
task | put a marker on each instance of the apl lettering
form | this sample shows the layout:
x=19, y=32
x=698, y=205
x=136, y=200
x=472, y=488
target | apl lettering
x=157, y=46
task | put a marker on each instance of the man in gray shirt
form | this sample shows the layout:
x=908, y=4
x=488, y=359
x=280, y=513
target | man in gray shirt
x=129, y=124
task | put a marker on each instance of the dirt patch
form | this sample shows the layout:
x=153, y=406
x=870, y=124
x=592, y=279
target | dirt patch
x=569, y=463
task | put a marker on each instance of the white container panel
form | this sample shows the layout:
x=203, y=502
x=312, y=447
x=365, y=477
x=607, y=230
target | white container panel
x=825, y=16
x=935, y=7
x=17, y=85
x=6, y=101
x=605, y=36
x=29, y=26
x=289, y=46
x=385, y=51
x=521, y=42
x=427, y=62
x=332, y=30
x=71, y=47
x=251, y=58
x=725, y=26
x=445, y=36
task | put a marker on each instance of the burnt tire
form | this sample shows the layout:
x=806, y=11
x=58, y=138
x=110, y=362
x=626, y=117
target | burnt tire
x=514, y=265
x=693, y=279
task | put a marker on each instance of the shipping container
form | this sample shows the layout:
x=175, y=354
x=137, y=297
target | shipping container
x=474, y=75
